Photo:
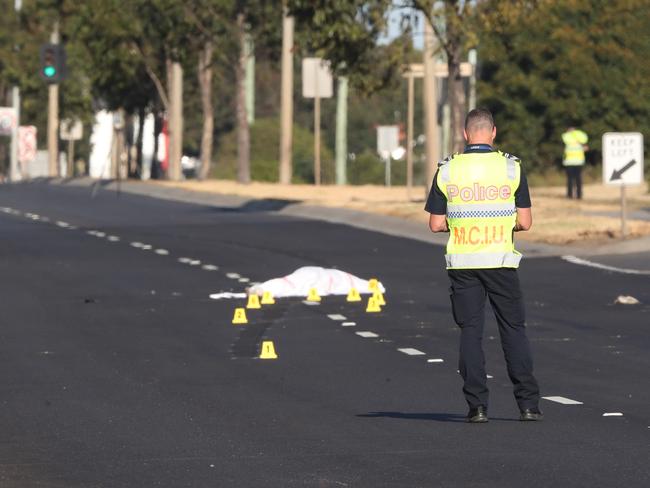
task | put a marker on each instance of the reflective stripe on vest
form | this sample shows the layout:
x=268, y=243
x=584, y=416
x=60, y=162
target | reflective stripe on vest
x=483, y=260
x=481, y=212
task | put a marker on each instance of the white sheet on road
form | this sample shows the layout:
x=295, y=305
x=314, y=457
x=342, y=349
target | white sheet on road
x=326, y=281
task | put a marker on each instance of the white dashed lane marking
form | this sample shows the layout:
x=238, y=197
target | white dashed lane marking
x=194, y=262
x=366, y=334
x=244, y=280
x=612, y=414
x=137, y=244
x=336, y=316
x=184, y=260
x=210, y=267
x=146, y=247
x=411, y=351
x=349, y=324
x=113, y=238
x=435, y=360
x=233, y=276
x=562, y=400
x=162, y=252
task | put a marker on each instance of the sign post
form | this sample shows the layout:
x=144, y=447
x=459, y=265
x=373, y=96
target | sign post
x=71, y=130
x=623, y=164
x=316, y=84
x=387, y=142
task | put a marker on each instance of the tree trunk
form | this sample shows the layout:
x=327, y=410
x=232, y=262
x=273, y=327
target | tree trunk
x=243, y=131
x=456, y=88
x=457, y=103
x=205, y=85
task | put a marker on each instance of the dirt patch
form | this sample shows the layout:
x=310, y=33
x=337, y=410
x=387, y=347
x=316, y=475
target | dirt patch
x=557, y=220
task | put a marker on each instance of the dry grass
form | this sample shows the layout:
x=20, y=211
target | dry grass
x=557, y=220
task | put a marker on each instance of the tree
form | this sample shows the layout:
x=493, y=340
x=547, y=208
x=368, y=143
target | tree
x=584, y=65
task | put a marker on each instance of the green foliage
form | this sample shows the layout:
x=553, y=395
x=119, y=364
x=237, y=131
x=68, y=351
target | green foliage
x=265, y=137
x=584, y=64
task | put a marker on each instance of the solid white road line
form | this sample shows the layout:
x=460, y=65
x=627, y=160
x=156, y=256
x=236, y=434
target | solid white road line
x=366, y=333
x=411, y=351
x=336, y=316
x=613, y=414
x=349, y=324
x=591, y=264
x=562, y=400
x=435, y=360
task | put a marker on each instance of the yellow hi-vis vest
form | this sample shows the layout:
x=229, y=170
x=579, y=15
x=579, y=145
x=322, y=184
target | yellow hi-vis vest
x=481, y=213
x=574, y=154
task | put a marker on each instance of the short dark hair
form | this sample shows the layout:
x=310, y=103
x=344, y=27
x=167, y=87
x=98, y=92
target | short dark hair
x=479, y=119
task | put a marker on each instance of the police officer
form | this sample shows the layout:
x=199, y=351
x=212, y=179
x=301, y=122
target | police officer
x=575, y=145
x=481, y=198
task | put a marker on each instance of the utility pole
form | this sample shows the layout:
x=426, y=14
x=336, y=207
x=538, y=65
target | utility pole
x=409, y=132
x=249, y=80
x=430, y=106
x=53, y=116
x=342, y=131
x=286, y=100
x=14, y=172
x=176, y=121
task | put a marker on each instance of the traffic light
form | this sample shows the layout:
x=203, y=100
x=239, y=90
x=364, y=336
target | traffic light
x=53, y=68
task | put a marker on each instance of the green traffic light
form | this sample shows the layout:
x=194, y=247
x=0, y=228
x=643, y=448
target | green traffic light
x=49, y=71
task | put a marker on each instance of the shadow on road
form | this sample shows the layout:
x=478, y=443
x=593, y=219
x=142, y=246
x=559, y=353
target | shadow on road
x=437, y=417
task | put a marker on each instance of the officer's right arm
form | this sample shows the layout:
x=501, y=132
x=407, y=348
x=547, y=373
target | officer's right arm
x=524, y=219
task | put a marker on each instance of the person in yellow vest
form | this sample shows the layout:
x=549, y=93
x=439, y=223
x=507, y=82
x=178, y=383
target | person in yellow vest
x=575, y=145
x=481, y=198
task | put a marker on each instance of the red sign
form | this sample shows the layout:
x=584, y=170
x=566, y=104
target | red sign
x=26, y=143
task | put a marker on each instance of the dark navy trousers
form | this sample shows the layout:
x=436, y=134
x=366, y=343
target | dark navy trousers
x=469, y=290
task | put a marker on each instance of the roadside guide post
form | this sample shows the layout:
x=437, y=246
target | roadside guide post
x=387, y=142
x=623, y=164
x=316, y=84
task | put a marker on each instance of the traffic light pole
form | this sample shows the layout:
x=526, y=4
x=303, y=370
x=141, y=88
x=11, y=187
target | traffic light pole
x=53, y=117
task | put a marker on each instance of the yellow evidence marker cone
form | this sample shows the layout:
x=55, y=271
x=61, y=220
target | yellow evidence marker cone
x=240, y=316
x=268, y=350
x=379, y=298
x=267, y=298
x=373, y=306
x=253, y=301
x=313, y=295
x=353, y=295
x=373, y=284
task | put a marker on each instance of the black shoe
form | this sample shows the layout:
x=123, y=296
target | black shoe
x=531, y=415
x=477, y=415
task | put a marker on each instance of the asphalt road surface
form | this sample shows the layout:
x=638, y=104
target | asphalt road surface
x=118, y=370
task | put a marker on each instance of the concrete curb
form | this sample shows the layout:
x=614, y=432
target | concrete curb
x=393, y=226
